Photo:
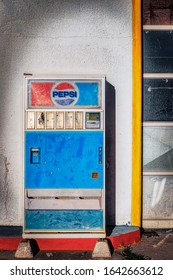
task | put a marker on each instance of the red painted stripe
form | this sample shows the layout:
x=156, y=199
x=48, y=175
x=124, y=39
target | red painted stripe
x=72, y=244
x=125, y=239
x=67, y=243
x=11, y=243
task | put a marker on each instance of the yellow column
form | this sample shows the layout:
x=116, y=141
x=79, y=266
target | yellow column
x=136, y=112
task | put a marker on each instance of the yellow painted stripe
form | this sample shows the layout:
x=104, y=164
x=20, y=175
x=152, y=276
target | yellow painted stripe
x=136, y=112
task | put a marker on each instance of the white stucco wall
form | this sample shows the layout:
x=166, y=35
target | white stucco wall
x=62, y=37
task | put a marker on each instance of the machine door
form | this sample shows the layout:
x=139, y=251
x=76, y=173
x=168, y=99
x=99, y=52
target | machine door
x=64, y=159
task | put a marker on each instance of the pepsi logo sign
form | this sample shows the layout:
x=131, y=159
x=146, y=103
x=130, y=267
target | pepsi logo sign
x=64, y=94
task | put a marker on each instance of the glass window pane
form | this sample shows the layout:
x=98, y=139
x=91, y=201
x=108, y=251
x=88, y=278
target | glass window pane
x=157, y=197
x=158, y=51
x=158, y=100
x=158, y=149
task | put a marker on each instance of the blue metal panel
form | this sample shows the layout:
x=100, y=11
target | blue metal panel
x=64, y=220
x=89, y=94
x=68, y=159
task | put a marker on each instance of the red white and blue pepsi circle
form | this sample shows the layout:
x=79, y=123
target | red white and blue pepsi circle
x=64, y=94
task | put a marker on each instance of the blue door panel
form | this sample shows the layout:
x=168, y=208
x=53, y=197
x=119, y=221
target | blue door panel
x=64, y=159
x=64, y=220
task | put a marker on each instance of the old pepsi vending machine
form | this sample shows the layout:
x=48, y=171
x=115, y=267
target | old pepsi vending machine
x=64, y=156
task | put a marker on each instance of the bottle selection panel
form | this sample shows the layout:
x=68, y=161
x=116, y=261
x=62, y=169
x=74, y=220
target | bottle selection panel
x=68, y=120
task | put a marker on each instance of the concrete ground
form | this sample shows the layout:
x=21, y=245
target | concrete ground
x=154, y=245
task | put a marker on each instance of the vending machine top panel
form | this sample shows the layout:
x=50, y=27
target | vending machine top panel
x=63, y=93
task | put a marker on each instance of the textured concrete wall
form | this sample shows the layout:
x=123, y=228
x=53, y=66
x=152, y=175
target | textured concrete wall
x=62, y=36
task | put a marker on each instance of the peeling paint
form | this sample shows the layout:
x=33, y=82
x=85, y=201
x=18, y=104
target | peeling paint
x=9, y=196
x=4, y=185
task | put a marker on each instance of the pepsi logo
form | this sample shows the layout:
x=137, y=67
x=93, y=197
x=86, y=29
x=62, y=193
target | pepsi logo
x=64, y=94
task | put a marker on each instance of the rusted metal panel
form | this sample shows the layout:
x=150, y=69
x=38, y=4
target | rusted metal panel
x=157, y=12
x=146, y=12
x=160, y=4
x=147, y=18
x=161, y=16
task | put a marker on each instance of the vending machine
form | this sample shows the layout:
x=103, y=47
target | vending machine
x=64, y=156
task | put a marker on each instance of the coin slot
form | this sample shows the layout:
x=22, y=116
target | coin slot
x=35, y=155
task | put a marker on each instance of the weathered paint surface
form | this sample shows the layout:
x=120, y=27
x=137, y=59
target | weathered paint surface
x=64, y=220
x=66, y=159
x=7, y=192
x=69, y=37
x=40, y=93
x=126, y=237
